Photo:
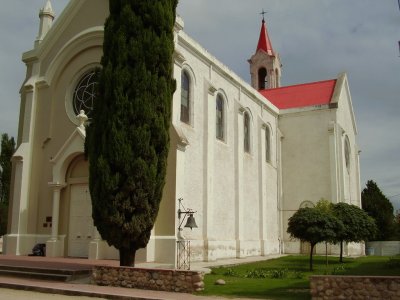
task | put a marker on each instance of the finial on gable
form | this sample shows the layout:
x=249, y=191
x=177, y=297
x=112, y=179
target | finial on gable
x=46, y=16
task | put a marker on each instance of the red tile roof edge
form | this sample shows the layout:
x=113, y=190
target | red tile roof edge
x=301, y=95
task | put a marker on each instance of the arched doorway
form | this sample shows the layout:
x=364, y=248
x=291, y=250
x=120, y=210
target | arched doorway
x=80, y=228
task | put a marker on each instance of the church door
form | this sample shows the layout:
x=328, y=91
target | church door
x=81, y=227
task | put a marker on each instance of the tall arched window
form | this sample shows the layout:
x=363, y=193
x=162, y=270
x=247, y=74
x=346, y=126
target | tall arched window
x=262, y=79
x=267, y=144
x=347, y=153
x=246, y=132
x=220, y=118
x=185, y=98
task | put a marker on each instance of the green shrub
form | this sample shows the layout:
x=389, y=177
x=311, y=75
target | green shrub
x=394, y=262
x=297, y=275
x=230, y=272
x=339, y=270
x=278, y=273
x=257, y=274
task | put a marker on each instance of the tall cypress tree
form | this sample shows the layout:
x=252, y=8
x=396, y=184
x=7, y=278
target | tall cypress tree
x=6, y=152
x=379, y=207
x=128, y=139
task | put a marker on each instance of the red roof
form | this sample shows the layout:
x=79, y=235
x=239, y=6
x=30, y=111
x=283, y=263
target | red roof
x=264, y=43
x=301, y=95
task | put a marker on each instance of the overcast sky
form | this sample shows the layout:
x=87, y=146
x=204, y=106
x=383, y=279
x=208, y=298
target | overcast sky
x=316, y=39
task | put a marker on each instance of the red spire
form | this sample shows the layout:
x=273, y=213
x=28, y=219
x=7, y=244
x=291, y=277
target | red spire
x=264, y=42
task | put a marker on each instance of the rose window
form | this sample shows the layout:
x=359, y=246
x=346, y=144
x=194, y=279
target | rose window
x=85, y=94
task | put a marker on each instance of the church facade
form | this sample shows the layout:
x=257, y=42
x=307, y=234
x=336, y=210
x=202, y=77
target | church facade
x=243, y=156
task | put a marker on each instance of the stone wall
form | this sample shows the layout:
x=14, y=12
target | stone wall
x=383, y=248
x=152, y=279
x=355, y=287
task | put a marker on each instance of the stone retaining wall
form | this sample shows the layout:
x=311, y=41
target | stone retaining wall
x=152, y=279
x=355, y=287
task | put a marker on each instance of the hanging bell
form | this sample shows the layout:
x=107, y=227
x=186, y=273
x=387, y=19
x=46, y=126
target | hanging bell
x=191, y=222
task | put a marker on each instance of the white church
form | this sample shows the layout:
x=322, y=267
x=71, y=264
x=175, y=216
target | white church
x=243, y=156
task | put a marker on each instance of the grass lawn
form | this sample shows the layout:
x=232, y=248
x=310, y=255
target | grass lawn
x=287, y=277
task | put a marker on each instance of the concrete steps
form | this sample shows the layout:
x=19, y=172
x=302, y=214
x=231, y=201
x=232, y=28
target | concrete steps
x=43, y=273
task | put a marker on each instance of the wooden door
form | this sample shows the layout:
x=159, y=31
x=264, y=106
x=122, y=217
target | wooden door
x=81, y=227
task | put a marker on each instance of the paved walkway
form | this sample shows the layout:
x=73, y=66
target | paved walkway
x=84, y=288
x=7, y=294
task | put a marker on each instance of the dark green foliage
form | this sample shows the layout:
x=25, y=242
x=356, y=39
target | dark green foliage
x=339, y=270
x=6, y=152
x=314, y=225
x=394, y=262
x=3, y=218
x=358, y=226
x=230, y=272
x=128, y=139
x=257, y=273
x=375, y=203
x=397, y=225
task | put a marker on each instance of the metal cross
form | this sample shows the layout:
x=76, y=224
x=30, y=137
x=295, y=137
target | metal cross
x=263, y=13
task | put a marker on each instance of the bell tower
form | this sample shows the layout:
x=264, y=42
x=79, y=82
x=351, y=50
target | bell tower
x=265, y=64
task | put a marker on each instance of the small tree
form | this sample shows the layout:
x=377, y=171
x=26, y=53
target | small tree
x=397, y=224
x=358, y=226
x=325, y=206
x=314, y=226
x=6, y=151
x=378, y=206
x=128, y=139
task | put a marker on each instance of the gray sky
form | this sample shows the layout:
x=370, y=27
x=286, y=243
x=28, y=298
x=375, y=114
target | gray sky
x=316, y=39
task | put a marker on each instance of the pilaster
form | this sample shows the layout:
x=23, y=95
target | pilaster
x=55, y=246
x=262, y=188
x=239, y=182
x=333, y=153
x=22, y=164
x=209, y=140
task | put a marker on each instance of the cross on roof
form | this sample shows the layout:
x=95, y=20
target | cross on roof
x=263, y=13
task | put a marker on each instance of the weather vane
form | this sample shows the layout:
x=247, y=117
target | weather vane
x=264, y=12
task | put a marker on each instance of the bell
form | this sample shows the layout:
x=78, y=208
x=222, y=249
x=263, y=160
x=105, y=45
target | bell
x=191, y=222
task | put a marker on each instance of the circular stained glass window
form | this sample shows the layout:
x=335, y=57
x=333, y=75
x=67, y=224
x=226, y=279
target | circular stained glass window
x=85, y=94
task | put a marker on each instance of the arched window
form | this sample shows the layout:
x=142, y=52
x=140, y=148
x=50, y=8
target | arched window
x=267, y=144
x=246, y=132
x=306, y=204
x=262, y=79
x=347, y=153
x=220, y=118
x=185, y=98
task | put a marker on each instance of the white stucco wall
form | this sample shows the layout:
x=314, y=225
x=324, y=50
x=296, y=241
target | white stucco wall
x=222, y=183
x=346, y=120
x=313, y=159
